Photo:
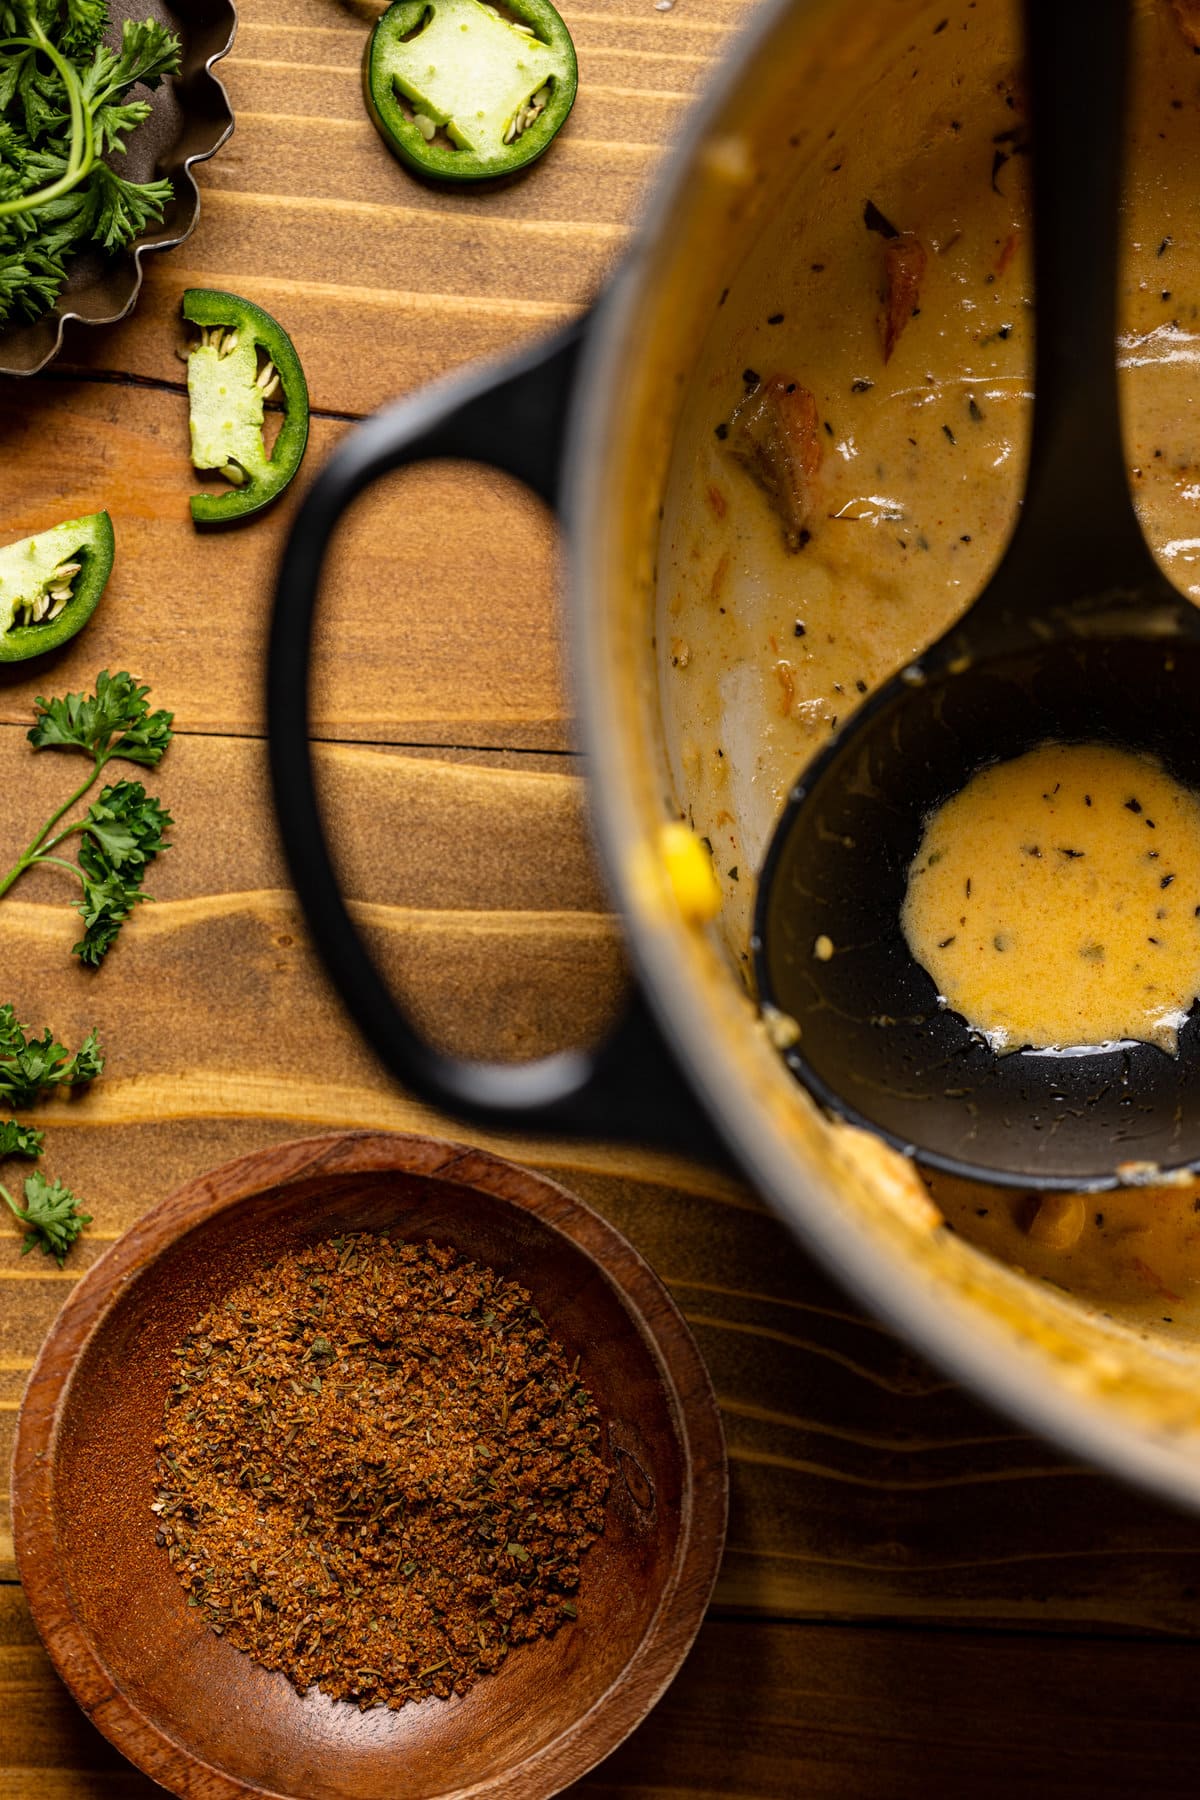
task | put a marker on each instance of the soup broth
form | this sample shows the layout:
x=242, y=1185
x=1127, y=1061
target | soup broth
x=1055, y=900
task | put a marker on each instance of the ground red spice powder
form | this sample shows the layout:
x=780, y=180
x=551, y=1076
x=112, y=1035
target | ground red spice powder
x=377, y=1472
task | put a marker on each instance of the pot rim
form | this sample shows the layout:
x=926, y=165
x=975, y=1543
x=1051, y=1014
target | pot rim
x=943, y=1324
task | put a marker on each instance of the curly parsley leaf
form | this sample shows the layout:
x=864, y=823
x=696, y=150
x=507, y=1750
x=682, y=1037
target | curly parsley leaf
x=148, y=51
x=115, y=123
x=52, y=1213
x=114, y=721
x=20, y=1140
x=105, y=906
x=83, y=25
x=125, y=826
x=122, y=835
x=26, y=281
x=31, y=1066
x=120, y=209
x=17, y=16
x=17, y=72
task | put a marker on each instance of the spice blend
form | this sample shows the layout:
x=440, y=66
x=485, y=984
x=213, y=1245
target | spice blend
x=377, y=1471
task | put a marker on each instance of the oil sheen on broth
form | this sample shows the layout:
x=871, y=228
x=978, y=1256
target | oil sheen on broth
x=909, y=358
x=1055, y=900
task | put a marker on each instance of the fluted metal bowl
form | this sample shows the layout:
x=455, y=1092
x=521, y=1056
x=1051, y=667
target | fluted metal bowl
x=190, y=121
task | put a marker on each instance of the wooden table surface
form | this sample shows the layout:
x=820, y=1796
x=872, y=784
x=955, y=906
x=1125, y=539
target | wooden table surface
x=916, y=1599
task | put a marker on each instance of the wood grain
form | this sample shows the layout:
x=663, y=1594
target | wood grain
x=864, y=1487
x=822, y=1711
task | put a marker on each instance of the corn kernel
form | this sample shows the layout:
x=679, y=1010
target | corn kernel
x=690, y=874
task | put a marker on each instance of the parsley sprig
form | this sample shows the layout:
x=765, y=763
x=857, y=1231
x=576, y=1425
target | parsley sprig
x=31, y=1067
x=123, y=830
x=20, y=1140
x=52, y=1213
x=64, y=105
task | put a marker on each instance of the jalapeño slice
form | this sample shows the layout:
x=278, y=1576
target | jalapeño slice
x=460, y=91
x=51, y=583
x=243, y=358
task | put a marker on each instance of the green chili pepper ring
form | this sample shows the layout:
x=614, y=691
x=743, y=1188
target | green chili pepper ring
x=36, y=572
x=227, y=398
x=475, y=78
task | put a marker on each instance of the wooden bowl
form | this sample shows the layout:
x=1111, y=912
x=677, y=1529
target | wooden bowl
x=195, y=1713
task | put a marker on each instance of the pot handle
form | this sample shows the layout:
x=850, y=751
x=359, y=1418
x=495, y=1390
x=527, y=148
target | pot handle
x=512, y=417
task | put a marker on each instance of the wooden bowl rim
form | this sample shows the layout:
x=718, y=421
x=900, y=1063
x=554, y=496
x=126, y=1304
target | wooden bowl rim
x=703, y=1514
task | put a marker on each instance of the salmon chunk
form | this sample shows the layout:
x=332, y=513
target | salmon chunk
x=775, y=434
x=903, y=270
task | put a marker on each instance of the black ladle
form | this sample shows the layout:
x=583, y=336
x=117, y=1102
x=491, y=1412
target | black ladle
x=1077, y=637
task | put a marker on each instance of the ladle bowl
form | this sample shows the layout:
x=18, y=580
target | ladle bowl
x=874, y=1044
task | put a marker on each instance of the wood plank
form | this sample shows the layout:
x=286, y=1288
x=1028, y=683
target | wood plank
x=375, y=245
x=410, y=830
x=695, y=25
x=317, y=152
x=422, y=335
x=908, y=1715
x=325, y=82
x=463, y=976
x=609, y=52
x=822, y=1711
x=439, y=615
